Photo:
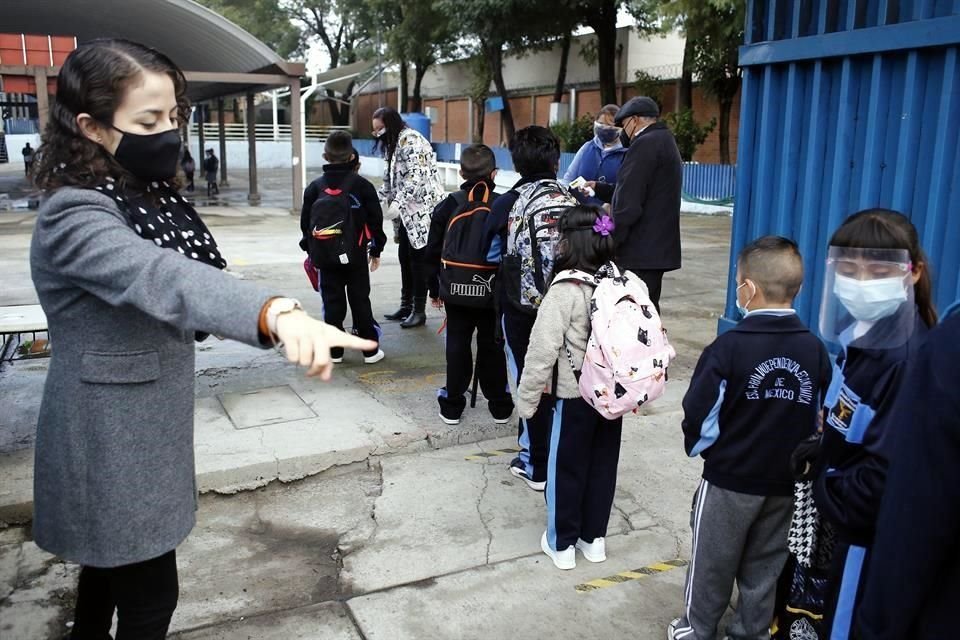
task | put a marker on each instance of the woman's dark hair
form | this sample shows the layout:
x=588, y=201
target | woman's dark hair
x=393, y=124
x=535, y=150
x=886, y=229
x=581, y=247
x=94, y=79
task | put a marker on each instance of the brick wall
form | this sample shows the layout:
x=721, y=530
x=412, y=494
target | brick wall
x=452, y=124
x=458, y=122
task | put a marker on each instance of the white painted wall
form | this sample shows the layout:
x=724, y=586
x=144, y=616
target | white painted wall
x=15, y=143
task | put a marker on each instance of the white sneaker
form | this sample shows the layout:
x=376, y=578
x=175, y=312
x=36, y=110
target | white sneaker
x=450, y=421
x=566, y=559
x=518, y=471
x=672, y=628
x=336, y=360
x=595, y=551
x=375, y=358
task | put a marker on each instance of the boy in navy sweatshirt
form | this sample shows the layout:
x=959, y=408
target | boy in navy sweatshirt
x=478, y=167
x=348, y=280
x=754, y=396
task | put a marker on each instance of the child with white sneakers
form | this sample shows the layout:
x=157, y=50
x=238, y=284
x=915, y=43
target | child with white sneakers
x=584, y=446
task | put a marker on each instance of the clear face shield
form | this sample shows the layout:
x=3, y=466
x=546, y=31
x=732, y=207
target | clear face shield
x=868, y=298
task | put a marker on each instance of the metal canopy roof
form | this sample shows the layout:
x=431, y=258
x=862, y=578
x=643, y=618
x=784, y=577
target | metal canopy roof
x=194, y=37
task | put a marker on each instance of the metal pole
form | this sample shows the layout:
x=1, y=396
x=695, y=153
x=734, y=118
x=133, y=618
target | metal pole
x=379, y=72
x=222, y=130
x=298, y=160
x=254, y=196
x=201, y=156
x=276, y=126
x=43, y=100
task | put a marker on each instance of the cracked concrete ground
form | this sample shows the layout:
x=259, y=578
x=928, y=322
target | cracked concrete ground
x=400, y=536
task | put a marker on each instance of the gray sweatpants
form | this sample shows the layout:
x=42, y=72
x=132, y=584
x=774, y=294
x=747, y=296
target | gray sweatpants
x=736, y=536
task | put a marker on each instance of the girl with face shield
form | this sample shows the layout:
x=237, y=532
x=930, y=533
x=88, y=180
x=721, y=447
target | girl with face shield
x=876, y=309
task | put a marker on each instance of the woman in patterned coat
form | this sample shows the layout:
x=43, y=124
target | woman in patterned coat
x=411, y=189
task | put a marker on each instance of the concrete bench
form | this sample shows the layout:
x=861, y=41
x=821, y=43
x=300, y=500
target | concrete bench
x=16, y=321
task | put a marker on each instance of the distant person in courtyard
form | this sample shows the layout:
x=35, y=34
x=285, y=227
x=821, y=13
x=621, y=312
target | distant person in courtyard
x=210, y=167
x=189, y=169
x=28, y=153
x=342, y=232
x=129, y=276
x=646, y=197
x=599, y=159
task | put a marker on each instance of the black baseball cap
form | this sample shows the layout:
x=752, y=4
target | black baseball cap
x=640, y=106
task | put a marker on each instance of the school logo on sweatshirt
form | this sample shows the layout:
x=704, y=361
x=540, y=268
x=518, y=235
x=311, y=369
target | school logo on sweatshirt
x=780, y=379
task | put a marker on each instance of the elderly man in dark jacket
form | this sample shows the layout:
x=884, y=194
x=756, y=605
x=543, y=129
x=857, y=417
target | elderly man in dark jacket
x=646, y=199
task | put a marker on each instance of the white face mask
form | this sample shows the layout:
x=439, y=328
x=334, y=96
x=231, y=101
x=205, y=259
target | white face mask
x=870, y=300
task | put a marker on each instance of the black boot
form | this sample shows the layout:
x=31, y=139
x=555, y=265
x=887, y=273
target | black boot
x=418, y=317
x=402, y=313
x=406, y=308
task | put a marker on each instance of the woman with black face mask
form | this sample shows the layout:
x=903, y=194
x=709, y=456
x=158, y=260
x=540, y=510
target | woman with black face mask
x=599, y=159
x=129, y=275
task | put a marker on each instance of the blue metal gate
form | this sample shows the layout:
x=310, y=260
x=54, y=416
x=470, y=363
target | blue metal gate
x=847, y=105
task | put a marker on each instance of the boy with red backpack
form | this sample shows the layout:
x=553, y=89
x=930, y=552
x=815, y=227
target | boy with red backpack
x=459, y=249
x=524, y=232
x=342, y=226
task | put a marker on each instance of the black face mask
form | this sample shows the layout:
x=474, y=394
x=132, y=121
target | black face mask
x=149, y=157
x=624, y=138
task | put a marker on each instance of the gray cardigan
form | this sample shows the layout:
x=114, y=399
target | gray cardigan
x=114, y=471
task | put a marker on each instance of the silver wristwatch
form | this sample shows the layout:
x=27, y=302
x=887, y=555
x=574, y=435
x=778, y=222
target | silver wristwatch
x=277, y=308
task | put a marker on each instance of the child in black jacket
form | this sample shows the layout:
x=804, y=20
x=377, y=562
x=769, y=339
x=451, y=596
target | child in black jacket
x=348, y=282
x=754, y=396
x=478, y=169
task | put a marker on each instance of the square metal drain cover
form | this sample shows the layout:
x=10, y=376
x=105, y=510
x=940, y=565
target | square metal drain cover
x=264, y=407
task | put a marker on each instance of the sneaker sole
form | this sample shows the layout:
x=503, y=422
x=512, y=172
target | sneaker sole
x=375, y=359
x=336, y=360
x=449, y=421
x=536, y=486
x=545, y=547
x=501, y=420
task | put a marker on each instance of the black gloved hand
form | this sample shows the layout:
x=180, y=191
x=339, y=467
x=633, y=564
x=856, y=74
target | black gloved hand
x=804, y=457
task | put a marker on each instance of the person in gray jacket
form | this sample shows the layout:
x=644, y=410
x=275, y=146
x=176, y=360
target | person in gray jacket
x=129, y=276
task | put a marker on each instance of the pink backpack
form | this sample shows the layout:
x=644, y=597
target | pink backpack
x=628, y=353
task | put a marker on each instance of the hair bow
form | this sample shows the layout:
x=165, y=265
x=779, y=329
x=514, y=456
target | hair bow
x=604, y=225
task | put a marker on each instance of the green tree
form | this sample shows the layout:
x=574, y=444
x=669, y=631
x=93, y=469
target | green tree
x=417, y=34
x=688, y=132
x=481, y=77
x=265, y=20
x=714, y=32
x=492, y=26
x=344, y=27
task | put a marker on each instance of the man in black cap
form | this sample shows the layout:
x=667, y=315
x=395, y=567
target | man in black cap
x=646, y=198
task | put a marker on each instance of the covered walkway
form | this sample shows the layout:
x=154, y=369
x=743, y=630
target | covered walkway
x=219, y=58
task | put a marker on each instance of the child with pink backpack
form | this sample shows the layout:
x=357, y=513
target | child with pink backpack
x=598, y=347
